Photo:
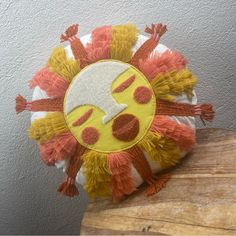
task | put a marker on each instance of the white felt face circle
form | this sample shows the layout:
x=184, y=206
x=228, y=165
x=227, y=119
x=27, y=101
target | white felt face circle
x=109, y=106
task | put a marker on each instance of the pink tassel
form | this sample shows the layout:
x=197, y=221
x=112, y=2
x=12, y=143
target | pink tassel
x=61, y=147
x=122, y=181
x=162, y=63
x=99, y=48
x=50, y=82
x=183, y=135
x=21, y=104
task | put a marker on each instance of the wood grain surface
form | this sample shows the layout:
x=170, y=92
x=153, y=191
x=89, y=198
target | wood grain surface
x=200, y=198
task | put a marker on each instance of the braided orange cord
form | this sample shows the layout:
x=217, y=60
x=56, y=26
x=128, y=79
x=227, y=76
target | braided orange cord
x=204, y=111
x=156, y=31
x=77, y=47
x=47, y=104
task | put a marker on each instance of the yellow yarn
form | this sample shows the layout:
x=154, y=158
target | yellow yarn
x=160, y=149
x=124, y=38
x=60, y=64
x=97, y=173
x=167, y=86
x=45, y=128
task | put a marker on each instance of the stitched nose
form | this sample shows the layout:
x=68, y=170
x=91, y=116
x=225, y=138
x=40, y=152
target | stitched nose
x=125, y=127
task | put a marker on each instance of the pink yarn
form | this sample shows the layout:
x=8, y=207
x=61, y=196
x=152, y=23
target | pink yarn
x=61, y=147
x=122, y=182
x=162, y=63
x=99, y=48
x=183, y=135
x=50, y=82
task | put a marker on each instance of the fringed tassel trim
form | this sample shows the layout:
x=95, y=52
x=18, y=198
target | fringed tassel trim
x=61, y=147
x=77, y=47
x=160, y=149
x=204, y=111
x=65, y=67
x=122, y=182
x=156, y=31
x=68, y=188
x=45, y=128
x=162, y=63
x=99, y=48
x=47, y=104
x=124, y=38
x=97, y=174
x=183, y=135
x=53, y=84
x=169, y=85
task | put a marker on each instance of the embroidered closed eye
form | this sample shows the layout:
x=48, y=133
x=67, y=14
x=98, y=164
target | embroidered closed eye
x=120, y=88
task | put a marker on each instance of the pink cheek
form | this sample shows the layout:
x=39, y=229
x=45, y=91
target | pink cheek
x=142, y=95
x=90, y=135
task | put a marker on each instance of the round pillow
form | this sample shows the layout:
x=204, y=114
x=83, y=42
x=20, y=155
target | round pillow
x=112, y=109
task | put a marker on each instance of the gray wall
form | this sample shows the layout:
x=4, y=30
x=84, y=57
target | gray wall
x=204, y=31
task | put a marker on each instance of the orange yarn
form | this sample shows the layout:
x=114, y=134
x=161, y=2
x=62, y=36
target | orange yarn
x=162, y=63
x=204, y=111
x=47, y=104
x=77, y=47
x=53, y=84
x=68, y=188
x=122, y=182
x=148, y=46
x=99, y=48
x=183, y=135
x=61, y=147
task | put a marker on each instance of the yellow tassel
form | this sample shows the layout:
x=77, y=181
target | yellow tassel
x=169, y=85
x=97, y=173
x=160, y=149
x=45, y=128
x=124, y=38
x=60, y=64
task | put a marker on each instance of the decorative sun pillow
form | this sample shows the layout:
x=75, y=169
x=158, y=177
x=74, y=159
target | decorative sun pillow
x=112, y=109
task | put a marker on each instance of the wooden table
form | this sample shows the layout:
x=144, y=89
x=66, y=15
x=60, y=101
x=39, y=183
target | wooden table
x=200, y=198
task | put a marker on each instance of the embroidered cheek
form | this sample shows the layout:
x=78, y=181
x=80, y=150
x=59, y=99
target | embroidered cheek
x=142, y=95
x=125, y=127
x=90, y=135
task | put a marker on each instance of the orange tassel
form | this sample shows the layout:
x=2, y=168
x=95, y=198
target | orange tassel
x=158, y=184
x=204, y=111
x=21, y=104
x=156, y=31
x=47, y=104
x=68, y=188
x=77, y=47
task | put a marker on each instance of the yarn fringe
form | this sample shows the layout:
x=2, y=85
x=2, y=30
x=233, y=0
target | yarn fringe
x=160, y=149
x=63, y=66
x=68, y=188
x=156, y=31
x=99, y=48
x=47, y=104
x=162, y=63
x=45, y=128
x=122, y=182
x=205, y=111
x=53, y=84
x=77, y=47
x=169, y=85
x=124, y=38
x=61, y=147
x=158, y=184
x=97, y=174
x=183, y=135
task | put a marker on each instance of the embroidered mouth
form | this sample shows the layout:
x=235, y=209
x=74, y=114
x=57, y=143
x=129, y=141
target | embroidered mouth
x=125, y=127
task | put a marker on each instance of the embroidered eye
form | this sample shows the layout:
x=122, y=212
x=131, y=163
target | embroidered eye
x=142, y=95
x=120, y=88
